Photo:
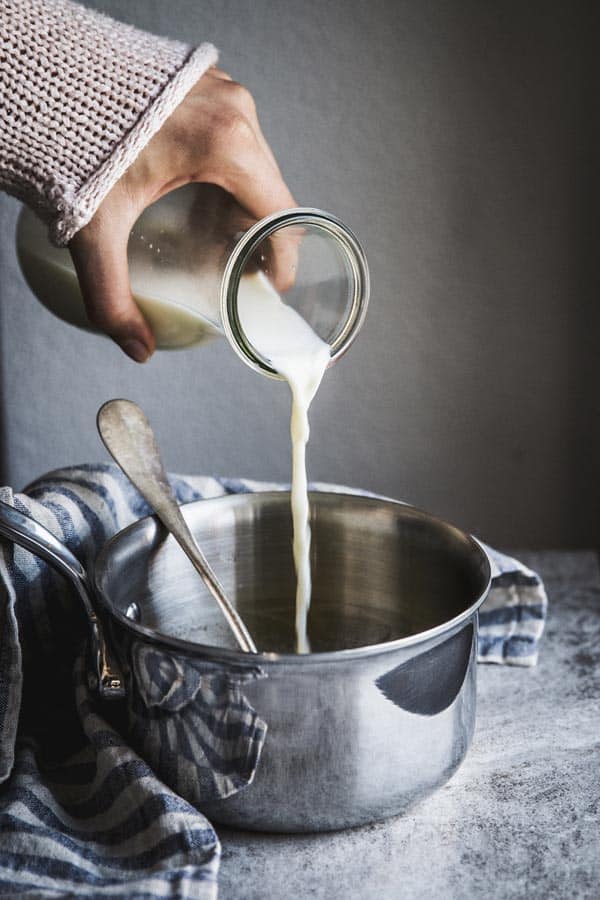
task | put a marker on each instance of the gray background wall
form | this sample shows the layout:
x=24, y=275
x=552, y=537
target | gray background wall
x=457, y=140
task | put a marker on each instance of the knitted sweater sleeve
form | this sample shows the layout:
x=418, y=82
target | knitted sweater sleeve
x=80, y=96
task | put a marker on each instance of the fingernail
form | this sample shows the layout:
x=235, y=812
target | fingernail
x=135, y=349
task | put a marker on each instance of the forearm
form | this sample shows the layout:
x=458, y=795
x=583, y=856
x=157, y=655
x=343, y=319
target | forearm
x=80, y=96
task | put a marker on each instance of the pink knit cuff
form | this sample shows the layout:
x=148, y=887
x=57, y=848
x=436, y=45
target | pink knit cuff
x=80, y=96
x=76, y=211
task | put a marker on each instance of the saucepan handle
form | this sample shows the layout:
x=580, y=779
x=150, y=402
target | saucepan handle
x=26, y=532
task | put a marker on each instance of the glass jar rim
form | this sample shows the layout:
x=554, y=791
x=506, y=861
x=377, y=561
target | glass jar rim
x=246, y=247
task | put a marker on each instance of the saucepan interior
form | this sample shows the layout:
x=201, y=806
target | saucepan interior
x=382, y=572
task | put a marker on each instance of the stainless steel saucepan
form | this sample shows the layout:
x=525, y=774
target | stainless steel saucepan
x=376, y=717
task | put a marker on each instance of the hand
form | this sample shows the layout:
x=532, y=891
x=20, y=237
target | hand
x=213, y=136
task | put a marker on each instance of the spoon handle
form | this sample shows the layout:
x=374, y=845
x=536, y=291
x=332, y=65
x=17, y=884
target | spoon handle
x=128, y=437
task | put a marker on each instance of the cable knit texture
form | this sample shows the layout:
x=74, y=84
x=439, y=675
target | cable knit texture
x=80, y=96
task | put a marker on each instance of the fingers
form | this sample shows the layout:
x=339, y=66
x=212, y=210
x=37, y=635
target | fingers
x=280, y=257
x=99, y=253
x=241, y=161
x=250, y=172
x=263, y=192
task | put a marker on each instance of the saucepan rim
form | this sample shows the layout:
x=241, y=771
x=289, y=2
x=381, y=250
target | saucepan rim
x=240, y=658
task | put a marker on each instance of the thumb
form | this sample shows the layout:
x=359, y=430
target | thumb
x=99, y=253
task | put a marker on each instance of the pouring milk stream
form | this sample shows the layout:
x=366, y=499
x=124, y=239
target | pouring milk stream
x=191, y=285
x=298, y=354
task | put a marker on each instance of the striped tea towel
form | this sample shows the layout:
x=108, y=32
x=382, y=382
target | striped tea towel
x=512, y=618
x=82, y=812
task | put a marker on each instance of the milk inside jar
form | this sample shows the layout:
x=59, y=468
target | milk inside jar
x=176, y=254
x=289, y=293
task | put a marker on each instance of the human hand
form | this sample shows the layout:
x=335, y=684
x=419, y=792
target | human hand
x=213, y=136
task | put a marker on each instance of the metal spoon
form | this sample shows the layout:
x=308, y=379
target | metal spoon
x=128, y=437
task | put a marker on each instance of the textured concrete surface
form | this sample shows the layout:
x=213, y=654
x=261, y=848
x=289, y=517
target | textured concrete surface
x=519, y=819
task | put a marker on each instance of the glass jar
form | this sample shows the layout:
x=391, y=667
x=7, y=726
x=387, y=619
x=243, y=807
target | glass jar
x=193, y=252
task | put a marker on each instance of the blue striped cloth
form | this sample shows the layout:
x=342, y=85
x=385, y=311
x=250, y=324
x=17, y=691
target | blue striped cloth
x=512, y=618
x=82, y=811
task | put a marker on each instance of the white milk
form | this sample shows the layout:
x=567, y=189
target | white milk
x=280, y=334
x=181, y=306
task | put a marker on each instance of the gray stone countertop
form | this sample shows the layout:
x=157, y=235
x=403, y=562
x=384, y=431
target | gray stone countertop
x=521, y=816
